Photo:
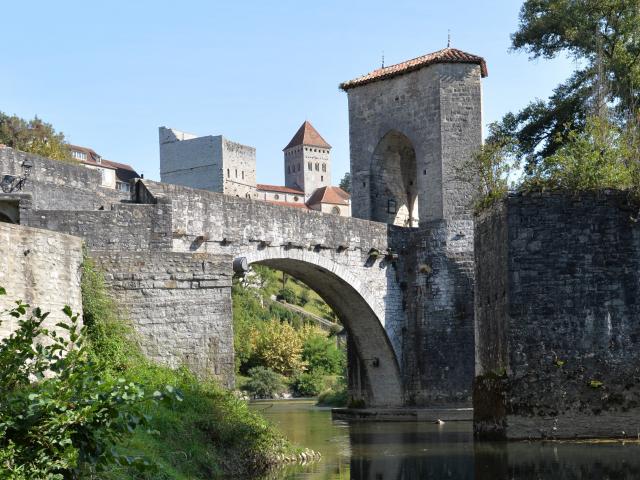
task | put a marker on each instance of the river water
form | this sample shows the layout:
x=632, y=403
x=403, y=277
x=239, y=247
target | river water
x=411, y=450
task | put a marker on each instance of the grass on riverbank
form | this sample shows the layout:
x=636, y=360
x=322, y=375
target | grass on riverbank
x=208, y=434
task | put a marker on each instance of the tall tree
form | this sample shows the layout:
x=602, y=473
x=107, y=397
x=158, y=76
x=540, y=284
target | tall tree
x=33, y=136
x=345, y=183
x=604, y=38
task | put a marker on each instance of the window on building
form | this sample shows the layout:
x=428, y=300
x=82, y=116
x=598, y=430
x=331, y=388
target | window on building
x=247, y=195
x=296, y=198
x=317, y=167
x=289, y=169
x=298, y=167
x=242, y=174
x=322, y=178
x=276, y=196
x=324, y=167
x=391, y=206
x=79, y=155
x=122, y=186
x=236, y=173
x=310, y=166
x=335, y=210
x=228, y=173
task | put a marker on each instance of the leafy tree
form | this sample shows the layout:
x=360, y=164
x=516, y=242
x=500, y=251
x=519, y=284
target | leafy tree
x=34, y=136
x=345, y=183
x=309, y=384
x=279, y=347
x=604, y=37
x=321, y=353
x=602, y=156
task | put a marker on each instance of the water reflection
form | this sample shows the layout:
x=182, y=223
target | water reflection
x=407, y=451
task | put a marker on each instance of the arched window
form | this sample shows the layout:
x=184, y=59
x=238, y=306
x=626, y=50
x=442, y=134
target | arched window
x=247, y=195
x=324, y=167
x=310, y=166
x=317, y=167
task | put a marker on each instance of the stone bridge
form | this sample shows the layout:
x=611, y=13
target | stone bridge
x=349, y=262
x=168, y=254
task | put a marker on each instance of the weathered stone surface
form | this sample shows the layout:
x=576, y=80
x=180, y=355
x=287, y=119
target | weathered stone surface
x=58, y=185
x=435, y=115
x=40, y=268
x=558, y=317
x=180, y=304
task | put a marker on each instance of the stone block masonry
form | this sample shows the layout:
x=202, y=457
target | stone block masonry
x=557, y=317
x=40, y=268
x=58, y=185
x=180, y=305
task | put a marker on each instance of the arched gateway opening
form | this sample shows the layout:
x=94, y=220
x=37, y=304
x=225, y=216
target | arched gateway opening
x=394, y=181
x=374, y=375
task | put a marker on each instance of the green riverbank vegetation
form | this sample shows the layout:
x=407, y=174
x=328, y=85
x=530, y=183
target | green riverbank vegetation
x=280, y=351
x=89, y=405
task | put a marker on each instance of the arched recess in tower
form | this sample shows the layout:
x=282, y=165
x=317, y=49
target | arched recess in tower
x=394, y=181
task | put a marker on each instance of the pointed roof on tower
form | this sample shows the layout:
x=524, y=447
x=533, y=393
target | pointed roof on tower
x=307, y=135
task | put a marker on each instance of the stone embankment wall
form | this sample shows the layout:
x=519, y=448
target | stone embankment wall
x=180, y=304
x=40, y=268
x=58, y=185
x=557, y=317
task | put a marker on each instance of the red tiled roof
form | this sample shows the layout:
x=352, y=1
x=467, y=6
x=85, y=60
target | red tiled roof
x=446, y=55
x=288, y=204
x=333, y=195
x=278, y=188
x=307, y=135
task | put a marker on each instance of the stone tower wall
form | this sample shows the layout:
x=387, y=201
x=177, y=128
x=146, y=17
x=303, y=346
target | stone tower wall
x=308, y=179
x=239, y=166
x=210, y=163
x=438, y=108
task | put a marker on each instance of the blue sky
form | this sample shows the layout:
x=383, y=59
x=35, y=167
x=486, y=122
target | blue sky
x=109, y=73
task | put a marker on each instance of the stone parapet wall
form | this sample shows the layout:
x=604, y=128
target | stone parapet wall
x=127, y=227
x=40, y=268
x=179, y=304
x=59, y=185
x=230, y=219
x=557, y=316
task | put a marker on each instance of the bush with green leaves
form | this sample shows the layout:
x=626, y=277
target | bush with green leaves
x=288, y=295
x=59, y=417
x=264, y=383
x=321, y=353
x=309, y=384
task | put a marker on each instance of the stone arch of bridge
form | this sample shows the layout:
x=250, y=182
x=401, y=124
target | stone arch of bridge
x=394, y=181
x=379, y=381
